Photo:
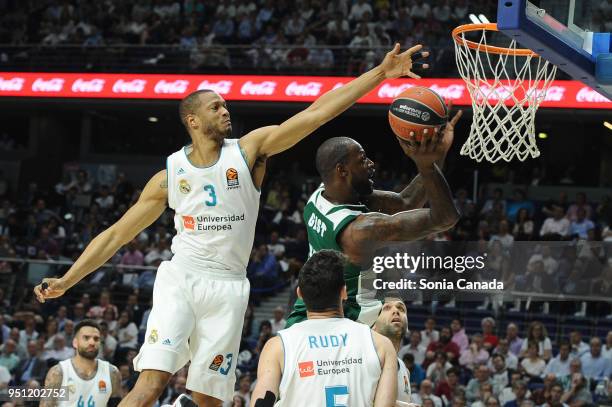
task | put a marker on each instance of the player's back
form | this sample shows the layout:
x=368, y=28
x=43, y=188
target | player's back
x=215, y=208
x=328, y=362
x=87, y=393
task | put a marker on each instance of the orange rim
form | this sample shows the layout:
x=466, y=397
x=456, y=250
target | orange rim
x=487, y=48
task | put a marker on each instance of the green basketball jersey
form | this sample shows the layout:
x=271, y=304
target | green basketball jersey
x=324, y=222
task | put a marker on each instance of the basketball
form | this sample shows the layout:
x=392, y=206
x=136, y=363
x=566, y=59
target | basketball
x=415, y=110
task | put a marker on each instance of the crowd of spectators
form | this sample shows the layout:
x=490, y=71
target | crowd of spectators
x=56, y=223
x=280, y=34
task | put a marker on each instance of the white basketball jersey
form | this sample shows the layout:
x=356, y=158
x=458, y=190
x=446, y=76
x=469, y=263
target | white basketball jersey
x=215, y=208
x=86, y=393
x=328, y=362
x=403, y=382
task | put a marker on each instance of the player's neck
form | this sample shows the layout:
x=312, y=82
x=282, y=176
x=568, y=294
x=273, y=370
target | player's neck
x=325, y=314
x=338, y=196
x=205, y=151
x=84, y=367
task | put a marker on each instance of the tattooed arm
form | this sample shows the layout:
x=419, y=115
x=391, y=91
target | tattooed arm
x=52, y=381
x=146, y=210
x=116, y=394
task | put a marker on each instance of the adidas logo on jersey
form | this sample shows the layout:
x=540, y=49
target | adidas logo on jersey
x=167, y=342
x=180, y=171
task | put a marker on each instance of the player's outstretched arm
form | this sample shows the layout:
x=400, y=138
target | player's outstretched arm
x=269, y=373
x=386, y=391
x=267, y=141
x=150, y=206
x=413, y=196
x=53, y=380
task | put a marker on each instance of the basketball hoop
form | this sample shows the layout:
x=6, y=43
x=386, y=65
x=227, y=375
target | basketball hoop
x=507, y=86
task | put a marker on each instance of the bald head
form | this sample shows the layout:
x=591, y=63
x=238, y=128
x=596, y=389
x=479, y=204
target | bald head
x=191, y=103
x=332, y=152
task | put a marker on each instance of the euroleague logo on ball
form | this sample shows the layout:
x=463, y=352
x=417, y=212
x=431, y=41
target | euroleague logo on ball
x=425, y=116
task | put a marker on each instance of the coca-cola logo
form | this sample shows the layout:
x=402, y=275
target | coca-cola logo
x=390, y=91
x=178, y=86
x=587, y=94
x=449, y=92
x=306, y=89
x=50, y=85
x=262, y=88
x=133, y=86
x=221, y=87
x=497, y=93
x=11, y=85
x=90, y=86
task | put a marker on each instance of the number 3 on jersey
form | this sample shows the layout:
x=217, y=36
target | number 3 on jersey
x=212, y=196
x=317, y=224
x=336, y=396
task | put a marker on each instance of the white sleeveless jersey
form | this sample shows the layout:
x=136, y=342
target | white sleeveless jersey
x=403, y=382
x=328, y=362
x=91, y=393
x=215, y=208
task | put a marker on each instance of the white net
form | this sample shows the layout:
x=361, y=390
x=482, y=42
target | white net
x=506, y=87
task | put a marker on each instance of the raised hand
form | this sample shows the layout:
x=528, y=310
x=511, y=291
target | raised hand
x=398, y=64
x=49, y=288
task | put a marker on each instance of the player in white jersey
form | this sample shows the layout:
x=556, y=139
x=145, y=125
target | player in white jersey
x=90, y=382
x=327, y=360
x=200, y=296
x=392, y=322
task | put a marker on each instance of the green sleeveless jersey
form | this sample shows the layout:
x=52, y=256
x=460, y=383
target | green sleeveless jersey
x=324, y=222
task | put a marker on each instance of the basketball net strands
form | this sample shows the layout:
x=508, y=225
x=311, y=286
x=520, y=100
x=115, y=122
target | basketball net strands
x=507, y=86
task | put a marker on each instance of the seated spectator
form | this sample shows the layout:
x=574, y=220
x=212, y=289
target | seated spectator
x=459, y=336
x=554, y=399
x=519, y=200
x=581, y=225
x=607, y=348
x=490, y=340
x=97, y=312
x=244, y=388
x=503, y=236
x=417, y=374
x=263, y=268
x=415, y=348
x=523, y=227
x=32, y=367
x=519, y=390
x=420, y=11
x=108, y=343
x=436, y=371
x=278, y=322
x=497, y=198
x=555, y=227
x=429, y=334
x=503, y=349
x=581, y=203
x=474, y=388
x=578, y=394
x=594, y=365
x=358, y=9
x=60, y=351
x=560, y=365
x=175, y=389
x=445, y=389
x=514, y=341
x=127, y=332
x=474, y=355
x=499, y=374
x=9, y=358
x=578, y=346
x=29, y=332
x=426, y=392
x=445, y=345
x=537, y=333
x=533, y=365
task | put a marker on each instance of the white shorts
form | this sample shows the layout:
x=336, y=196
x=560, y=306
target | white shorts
x=198, y=316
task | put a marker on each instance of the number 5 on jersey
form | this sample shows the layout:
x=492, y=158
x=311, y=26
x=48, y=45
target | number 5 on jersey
x=212, y=196
x=336, y=396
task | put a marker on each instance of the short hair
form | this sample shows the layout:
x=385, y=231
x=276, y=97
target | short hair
x=321, y=279
x=453, y=370
x=84, y=323
x=332, y=152
x=190, y=103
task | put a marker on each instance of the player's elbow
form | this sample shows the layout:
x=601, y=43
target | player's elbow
x=446, y=221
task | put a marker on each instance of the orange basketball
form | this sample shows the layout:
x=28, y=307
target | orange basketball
x=415, y=110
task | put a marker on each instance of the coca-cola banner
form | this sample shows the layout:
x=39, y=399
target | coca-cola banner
x=565, y=94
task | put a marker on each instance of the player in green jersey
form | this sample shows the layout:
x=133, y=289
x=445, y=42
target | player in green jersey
x=345, y=213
